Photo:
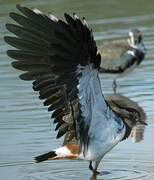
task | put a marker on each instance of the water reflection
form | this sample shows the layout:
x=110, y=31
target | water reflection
x=93, y=177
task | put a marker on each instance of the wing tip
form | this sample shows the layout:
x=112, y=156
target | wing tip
x=19, y=7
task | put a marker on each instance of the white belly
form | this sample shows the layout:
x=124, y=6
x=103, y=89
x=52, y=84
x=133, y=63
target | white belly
x=98, y=147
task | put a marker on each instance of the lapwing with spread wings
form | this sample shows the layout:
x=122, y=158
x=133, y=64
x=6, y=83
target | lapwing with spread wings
x=61, y=59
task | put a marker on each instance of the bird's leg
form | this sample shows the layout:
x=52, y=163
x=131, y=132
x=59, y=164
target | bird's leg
x=92, y=169
x=114, y=86
x=95, y=172
x=96, y=166
x=90, y=166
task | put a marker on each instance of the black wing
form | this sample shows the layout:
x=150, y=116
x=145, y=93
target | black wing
x=49, y=51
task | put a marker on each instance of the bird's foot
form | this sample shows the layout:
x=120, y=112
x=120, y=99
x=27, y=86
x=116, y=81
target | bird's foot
x=101, y=173
x=95, y=172
x=92, y=169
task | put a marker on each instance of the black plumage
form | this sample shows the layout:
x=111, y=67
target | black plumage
x=49, y=52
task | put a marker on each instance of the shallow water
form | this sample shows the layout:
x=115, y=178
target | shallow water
x=25, y=126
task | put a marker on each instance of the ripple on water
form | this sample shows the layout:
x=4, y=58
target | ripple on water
x=125, y=174
x=77, y=170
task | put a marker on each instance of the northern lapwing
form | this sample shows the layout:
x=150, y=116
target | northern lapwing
x=120, y=57
x=61, y=59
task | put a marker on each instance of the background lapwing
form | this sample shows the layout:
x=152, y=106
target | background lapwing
x=120, y=57
x=62, y=60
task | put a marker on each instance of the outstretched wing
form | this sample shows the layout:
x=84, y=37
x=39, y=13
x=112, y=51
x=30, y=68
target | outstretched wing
x=62, y=60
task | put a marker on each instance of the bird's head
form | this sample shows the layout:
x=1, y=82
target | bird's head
x=135, y=40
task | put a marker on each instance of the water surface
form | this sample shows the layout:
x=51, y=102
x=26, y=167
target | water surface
x=25, y=126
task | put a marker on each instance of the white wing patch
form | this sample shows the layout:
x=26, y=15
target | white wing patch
x=37, y=11
x=63, y=151
x=130, y=52
x=52, y=17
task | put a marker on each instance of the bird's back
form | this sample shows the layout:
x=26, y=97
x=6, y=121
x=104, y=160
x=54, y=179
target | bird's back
x=116, y=57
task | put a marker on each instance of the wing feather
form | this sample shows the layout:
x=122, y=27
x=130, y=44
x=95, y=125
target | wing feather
x=62, y=60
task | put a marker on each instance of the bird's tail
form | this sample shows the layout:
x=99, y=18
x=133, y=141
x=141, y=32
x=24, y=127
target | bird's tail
x=65, y=152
